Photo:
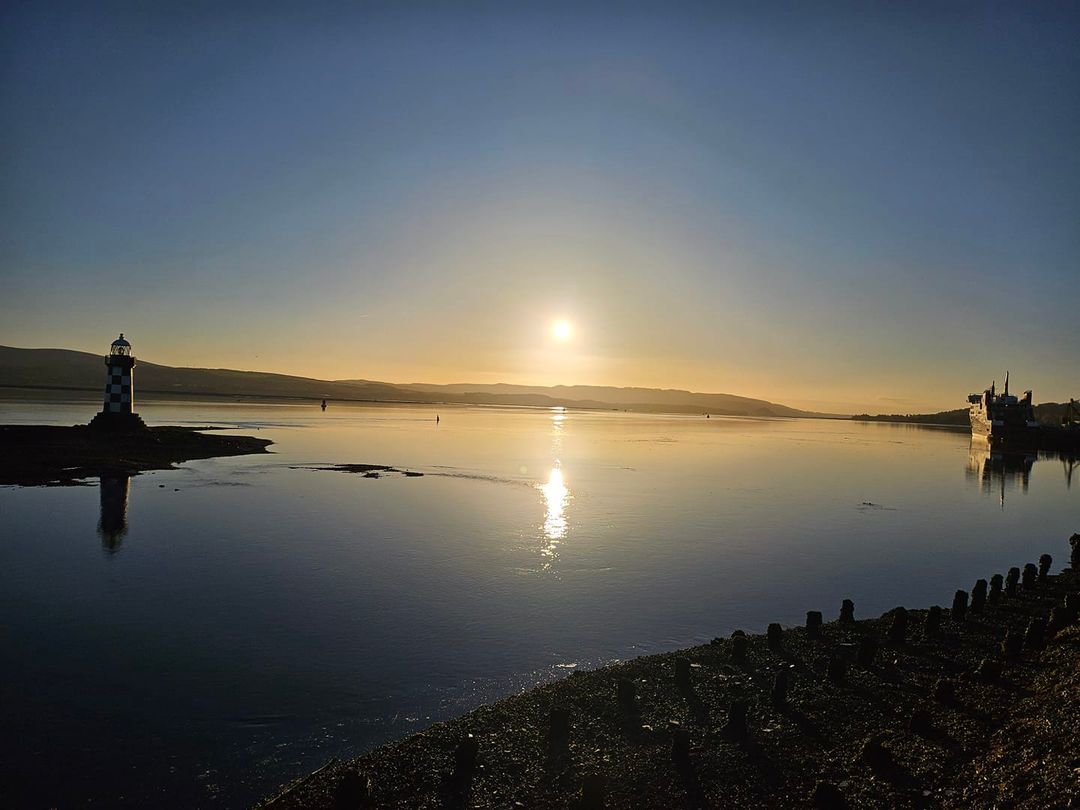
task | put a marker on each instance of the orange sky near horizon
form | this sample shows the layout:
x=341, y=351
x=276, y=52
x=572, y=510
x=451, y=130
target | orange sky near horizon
x=548, y=361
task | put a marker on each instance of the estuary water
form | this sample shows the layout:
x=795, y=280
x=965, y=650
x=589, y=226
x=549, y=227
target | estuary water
x=195, y=637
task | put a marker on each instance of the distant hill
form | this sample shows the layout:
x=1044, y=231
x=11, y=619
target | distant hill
x=71, y=370
x=1049, y=413
x=668, y=399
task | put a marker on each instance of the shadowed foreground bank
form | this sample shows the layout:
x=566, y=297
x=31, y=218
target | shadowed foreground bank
x=971, y=706
x=37, y=455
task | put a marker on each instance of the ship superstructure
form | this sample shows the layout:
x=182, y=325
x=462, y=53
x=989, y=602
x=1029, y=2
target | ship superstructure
x=1002, y=416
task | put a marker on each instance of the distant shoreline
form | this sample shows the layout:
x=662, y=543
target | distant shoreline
x=946, y=420
x=912, y=421
x=159, y=394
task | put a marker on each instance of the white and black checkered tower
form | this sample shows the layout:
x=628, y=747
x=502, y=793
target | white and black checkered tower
x=117, y=412
x=119, y=393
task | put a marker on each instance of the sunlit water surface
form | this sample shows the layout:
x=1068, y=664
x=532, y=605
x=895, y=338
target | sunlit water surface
x=193, y=638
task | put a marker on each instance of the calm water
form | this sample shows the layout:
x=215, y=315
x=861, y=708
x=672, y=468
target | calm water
x=193, y=638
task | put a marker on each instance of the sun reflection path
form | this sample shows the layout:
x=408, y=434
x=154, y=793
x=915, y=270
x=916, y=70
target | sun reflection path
x=558, y=416
x=556, y=498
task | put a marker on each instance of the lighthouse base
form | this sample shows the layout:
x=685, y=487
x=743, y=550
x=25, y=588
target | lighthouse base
x=117, y=422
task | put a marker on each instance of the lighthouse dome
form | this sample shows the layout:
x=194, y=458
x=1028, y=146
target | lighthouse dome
x=120, y=346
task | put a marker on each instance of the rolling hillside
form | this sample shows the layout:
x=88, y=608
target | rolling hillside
x=72, y=370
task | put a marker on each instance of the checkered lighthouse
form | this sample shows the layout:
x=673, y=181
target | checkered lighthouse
x=121, y=364
x=119, y=388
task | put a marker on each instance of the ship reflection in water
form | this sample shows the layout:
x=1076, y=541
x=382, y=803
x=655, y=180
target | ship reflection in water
x=112, y=525
x=997, y=470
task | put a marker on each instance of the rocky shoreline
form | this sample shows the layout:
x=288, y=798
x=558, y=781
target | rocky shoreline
x=48, y=455
x=974, y=705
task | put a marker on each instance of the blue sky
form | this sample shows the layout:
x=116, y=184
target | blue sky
x=850, y=206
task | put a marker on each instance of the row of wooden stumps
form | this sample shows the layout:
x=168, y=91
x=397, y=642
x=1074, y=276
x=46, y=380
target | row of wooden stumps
x=353, y=791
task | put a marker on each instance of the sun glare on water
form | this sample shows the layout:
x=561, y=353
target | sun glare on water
x=561, y=330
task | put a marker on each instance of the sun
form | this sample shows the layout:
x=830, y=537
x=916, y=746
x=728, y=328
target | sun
x=561, y=330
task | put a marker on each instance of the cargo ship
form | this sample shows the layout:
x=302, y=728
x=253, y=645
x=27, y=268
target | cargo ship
x=1003, y=417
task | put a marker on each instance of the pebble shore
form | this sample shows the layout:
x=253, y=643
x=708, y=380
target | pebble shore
x=973, y=704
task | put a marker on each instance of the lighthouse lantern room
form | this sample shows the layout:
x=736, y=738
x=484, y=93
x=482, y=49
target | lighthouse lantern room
x=117, y=410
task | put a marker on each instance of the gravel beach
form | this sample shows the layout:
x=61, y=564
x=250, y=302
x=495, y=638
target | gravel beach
x=974, y=704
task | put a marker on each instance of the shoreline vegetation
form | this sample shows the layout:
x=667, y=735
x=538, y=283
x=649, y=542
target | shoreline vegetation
x=1048, y=413
x=49, y=455
x=974, y=705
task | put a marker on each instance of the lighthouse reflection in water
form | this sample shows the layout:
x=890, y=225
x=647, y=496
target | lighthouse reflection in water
x=112, y=525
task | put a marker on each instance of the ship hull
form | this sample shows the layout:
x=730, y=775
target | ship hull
x=979, y=425
x=1013, y=428
x=1001, y=432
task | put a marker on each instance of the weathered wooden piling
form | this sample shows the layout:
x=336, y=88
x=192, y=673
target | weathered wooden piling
x=945, y=691
x=898, y=627
x=739, y=644
x=593, y=792
x=465, y=759
x=558, y=732
x=780, y=688
x=736, y=723
x=875, y=754
x=847, y=612
x=867, y=652
x=989, y=670
x=1072, y=607
x=813, y=623
x=836, y=670
x=775, y=635
x=978, y=596
x=959, y=606
x=932, y=628
x=921, y=722
x=1011, y=581
x=1035, y=636
x=1030, y=576
x=1045, y=561
x=827, y=796
x=1012, y=646
x=626, y=695
x=995, y=589
x=682, y=674
x=680, y=746
x=352, y=791
x=1059, y=620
